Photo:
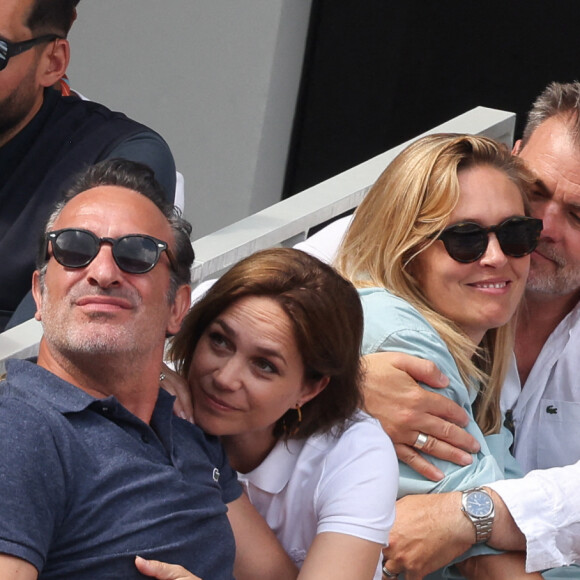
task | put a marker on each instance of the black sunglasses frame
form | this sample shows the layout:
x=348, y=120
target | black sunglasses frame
x=9, y=49
x=159, y=245
x=531, y=227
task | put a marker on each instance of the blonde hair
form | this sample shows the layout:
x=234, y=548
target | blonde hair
x=403, y=212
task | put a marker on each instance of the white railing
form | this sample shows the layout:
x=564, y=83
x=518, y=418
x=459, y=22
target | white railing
x=288, y=221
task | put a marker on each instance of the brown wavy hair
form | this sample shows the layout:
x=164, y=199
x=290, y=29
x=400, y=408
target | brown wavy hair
x=326, y=315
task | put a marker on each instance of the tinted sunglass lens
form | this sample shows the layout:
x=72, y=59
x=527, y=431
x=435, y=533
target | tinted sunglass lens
x=518, y=238
x=74, y=248
x=466, y=246
x=136, y=254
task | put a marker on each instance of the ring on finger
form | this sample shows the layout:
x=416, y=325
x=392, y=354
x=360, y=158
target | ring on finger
x=421, y=441
x=388, y=573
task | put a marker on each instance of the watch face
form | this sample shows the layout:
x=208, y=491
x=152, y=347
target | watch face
x=478, y=504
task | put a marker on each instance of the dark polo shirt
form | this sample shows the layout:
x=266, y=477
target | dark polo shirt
x=85, y=485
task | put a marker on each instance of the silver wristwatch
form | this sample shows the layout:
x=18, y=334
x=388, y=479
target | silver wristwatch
x=477, y=505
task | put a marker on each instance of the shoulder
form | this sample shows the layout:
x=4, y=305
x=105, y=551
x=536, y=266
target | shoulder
x=395, y=313
x=390, y=321
x=149, y=148
x=358, y=483
x=193, y=437
x=207, y=453
x=361, y=446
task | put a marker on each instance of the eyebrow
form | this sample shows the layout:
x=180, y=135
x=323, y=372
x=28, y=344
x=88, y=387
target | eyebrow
x=263, y=350
x=541, y=185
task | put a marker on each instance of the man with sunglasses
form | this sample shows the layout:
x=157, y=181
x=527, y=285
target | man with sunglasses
x=46, y=137
x=95, y=468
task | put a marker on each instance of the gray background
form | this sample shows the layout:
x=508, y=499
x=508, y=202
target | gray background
x=217, y=78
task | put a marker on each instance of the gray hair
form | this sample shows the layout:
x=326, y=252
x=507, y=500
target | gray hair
x=556, y=100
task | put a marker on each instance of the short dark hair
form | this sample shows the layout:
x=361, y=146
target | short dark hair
x=326, y=315
x=52, y=16
x=140, y=178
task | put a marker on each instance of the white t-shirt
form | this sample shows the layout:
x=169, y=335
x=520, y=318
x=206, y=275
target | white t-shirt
x=321, y=484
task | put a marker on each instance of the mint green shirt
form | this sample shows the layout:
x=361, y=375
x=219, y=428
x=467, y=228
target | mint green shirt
x=392, y=324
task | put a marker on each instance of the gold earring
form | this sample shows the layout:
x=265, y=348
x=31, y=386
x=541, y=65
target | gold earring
x=299, y=411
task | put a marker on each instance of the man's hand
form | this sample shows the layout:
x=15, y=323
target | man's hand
x=404, y=409
x=429, y=532
x=163, y=571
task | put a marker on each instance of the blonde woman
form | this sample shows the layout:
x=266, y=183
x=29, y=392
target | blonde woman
x=439, y=250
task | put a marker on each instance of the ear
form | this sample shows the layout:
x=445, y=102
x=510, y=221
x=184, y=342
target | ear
x=311, y=389
x=54, y=62
x=517, y=147
x=37, y=294
x=179, y=309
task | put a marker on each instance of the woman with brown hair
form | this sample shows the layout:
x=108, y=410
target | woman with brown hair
x=271, y=355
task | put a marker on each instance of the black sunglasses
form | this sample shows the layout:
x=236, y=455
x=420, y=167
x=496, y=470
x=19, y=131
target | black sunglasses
x=467, y=241
x=134, y=253
x=9, y=49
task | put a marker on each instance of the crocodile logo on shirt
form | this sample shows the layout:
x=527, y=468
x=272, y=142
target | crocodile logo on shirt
x=216, y=473
x=551, y=410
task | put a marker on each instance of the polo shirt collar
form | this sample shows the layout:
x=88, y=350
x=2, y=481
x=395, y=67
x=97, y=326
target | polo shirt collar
x=60, y=394
x=273, y=474
x=63, y=396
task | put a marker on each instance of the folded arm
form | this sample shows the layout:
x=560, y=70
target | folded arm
x=430, y=531
x=405, y=410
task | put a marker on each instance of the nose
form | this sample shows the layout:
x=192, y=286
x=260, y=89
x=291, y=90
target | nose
x=551, y=217
x=228, y=376
x=494, y=255
x=103, y=270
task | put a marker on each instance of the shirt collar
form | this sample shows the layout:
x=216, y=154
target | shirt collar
x=572, y=320
x=35, y=382
x=274, y=473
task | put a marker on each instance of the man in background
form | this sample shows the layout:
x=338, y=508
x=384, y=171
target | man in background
x=46, y=137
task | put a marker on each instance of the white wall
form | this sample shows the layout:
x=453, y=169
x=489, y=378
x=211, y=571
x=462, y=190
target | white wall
x=217, y=78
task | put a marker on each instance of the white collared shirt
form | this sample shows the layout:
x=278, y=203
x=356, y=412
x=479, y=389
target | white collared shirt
x=545, y=505
x=346, y=485
x=546, y=411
